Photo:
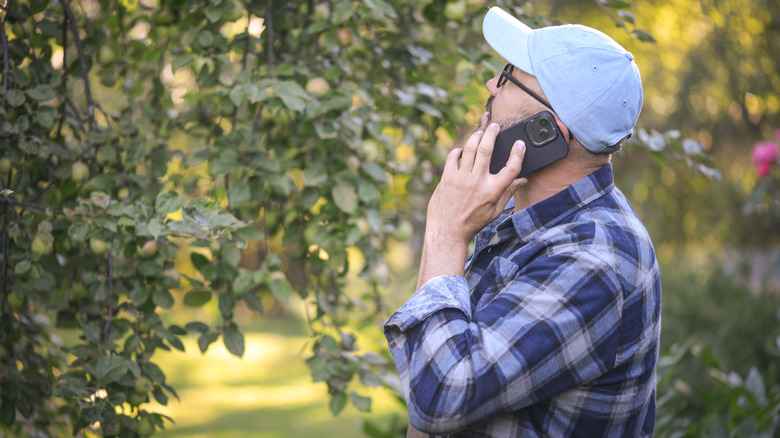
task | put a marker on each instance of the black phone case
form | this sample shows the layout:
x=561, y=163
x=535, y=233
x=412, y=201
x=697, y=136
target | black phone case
x=536, y=157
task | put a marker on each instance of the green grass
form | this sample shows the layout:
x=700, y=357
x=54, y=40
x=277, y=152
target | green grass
x=267, y=393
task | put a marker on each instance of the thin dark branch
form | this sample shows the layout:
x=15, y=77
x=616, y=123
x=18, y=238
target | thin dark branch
x=244, y=60
x=617, y=21
x=110, y=317
x=28, y=206
x=256, y=123
x=6, y=69
x=247, y=45
x=4, y=238
x=4, y=234
x=269, y=29
x=82, y=61
x=63, y=105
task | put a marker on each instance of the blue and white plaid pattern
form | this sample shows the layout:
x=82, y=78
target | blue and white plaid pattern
x=554, y=332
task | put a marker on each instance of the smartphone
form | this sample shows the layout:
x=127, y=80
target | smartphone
x=544, y=143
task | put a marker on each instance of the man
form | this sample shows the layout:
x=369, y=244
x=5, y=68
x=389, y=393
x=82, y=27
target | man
x=552, y=328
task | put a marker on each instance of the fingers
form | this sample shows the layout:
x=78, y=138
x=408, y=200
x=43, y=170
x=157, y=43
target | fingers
x=451, y=163
x=470, y=150
x=515, y=162
x=510, y=191
x=485, y=149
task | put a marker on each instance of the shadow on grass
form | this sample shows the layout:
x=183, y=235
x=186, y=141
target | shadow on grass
x=308, y=420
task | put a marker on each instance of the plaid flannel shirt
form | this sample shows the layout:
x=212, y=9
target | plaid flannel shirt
x=553, y=332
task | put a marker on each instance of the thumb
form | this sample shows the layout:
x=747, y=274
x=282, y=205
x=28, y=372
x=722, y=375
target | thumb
x=514, y=164
x=510, y=191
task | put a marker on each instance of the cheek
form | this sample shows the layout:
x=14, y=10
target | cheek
x=507, y=113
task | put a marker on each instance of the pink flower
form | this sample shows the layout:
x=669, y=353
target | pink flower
x=764, y=155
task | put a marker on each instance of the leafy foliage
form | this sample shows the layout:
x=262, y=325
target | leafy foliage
x=262, y=139
x=133, y=131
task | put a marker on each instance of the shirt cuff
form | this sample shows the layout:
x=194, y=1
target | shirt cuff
x=442, y=292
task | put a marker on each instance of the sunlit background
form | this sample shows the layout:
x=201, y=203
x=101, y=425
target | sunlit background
x=711, y=76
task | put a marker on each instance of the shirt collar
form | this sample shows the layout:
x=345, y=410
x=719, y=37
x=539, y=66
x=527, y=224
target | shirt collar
x=552, y=210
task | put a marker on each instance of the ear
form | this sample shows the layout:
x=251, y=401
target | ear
x=563, y=128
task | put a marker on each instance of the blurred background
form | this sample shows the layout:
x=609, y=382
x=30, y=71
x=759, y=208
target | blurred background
x=318, y=129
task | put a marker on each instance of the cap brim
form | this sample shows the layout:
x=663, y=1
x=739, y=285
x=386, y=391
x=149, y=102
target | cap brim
x=508, y=36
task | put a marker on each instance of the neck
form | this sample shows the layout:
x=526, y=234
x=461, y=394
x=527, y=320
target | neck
x=550, y=180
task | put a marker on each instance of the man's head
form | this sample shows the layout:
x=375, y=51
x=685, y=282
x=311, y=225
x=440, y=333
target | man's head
x=591, y=82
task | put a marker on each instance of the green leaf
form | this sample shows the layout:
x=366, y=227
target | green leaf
x=293, y=95
x=199, y=260
x=41, y=93
x=335, y=102
x=253, y=302
x=243, y=283
x=168, y=202
x=382, y=7
x=155, y=228
x=226, y=303
x=22, y=267
x=343, y=11
x=367, y=192
x=15, y=97
x=755, y=386
x=196, y=326
x=375, y=171
x=232, y=255
x=627, y=16
x=110, y=368
x=345, y=197
x=212, y=14
x=616, y=4
x=162, y=298
x=153, y=371
x=281, y=289
x=205, y=38
x=251, y=232
x=224, y=220
x=181, y=61
x=197, y=298
x=234, y=341
x=314, y=177
x=139, y=295
x=205, y=340
x=78, y=231
x=91, y=331
x=337, y=402
x=363, y=404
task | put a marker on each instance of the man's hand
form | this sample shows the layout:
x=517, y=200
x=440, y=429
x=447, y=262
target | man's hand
x=467, y=199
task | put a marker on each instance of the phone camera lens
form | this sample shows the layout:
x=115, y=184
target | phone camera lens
x=544, y=123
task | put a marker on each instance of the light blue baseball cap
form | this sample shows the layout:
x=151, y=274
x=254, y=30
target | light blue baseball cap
x=592, y=82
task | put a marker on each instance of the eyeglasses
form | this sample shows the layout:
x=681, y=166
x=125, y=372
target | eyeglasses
x=506, y=75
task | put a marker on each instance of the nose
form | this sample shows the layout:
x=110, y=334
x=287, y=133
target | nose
x=491, y=85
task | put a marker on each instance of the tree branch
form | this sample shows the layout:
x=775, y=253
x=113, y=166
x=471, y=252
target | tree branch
x=5, y=68
x=4, y=234
x=617, y=21
x=269, y=28
x=63, y=105
x=82, y=61
x=109, y=310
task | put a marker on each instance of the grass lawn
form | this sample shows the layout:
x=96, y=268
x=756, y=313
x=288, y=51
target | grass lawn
x=267, y=393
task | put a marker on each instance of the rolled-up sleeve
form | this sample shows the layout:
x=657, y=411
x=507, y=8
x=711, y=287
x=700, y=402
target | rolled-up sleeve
x=544, y=328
